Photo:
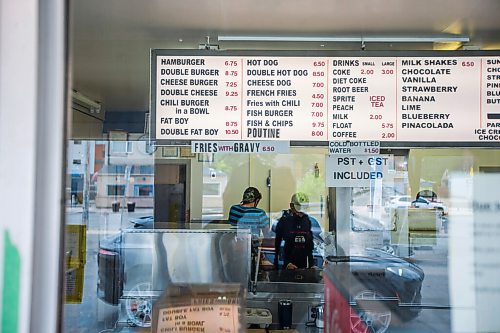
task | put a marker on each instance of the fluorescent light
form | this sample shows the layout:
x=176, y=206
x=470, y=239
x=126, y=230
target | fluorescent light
x=287, y=39
x=439, y=38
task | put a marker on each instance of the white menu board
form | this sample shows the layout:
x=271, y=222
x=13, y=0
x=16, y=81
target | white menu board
x=228, y=96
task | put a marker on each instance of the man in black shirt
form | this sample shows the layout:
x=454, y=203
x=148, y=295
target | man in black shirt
x=294, y=227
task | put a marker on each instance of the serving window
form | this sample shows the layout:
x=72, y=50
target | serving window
x=421, y=212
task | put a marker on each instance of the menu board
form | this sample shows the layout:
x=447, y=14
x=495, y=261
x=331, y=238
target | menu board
x=237, y=96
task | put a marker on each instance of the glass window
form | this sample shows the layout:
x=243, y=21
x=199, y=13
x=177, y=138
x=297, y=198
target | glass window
x=212, y=189
x=399, y=237
x=416, y=250
x=121, y=147
x=116, y=169
x=143, y=190
x=116, y=190
x=146, y=169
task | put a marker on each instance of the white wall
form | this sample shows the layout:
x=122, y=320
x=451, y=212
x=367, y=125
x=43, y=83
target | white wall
x=32, y=90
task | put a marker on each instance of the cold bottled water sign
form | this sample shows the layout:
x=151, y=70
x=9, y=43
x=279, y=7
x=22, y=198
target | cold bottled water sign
x=354, y=147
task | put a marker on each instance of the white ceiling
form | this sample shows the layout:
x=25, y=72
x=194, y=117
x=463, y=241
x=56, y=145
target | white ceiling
x=110, y=39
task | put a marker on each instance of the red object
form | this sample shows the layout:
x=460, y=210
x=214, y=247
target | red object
x=338, y=313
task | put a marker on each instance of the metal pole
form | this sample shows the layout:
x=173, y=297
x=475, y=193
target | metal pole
x=268, y=183
x=86, y=186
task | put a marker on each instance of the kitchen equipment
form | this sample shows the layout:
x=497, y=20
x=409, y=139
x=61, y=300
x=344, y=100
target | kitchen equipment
x=320, y=321
x=259, y=316
x=285, y=308
x=318, y=315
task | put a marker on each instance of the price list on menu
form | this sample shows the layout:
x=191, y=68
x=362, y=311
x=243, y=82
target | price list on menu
x=285, y=98
x=364, y=99
x=294, y=98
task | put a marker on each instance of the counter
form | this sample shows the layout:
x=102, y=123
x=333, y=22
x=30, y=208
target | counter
x=303, y=287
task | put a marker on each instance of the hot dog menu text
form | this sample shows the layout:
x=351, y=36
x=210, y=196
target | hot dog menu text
x=326, y=98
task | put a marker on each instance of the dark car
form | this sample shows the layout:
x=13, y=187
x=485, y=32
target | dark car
x=380, y=288
x=126, y=269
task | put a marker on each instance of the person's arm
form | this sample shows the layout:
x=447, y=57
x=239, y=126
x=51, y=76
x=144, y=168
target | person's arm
x=264, y=224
